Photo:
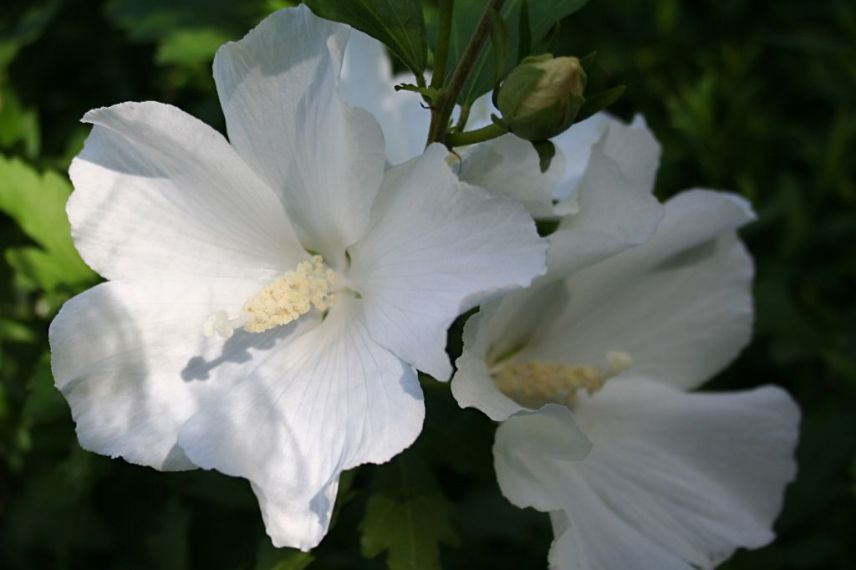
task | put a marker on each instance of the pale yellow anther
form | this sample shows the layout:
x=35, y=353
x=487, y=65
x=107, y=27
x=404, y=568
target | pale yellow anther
x=533, y=384
x=290, y=296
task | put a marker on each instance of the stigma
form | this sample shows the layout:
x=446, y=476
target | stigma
x=533, y=384
x=284, y=300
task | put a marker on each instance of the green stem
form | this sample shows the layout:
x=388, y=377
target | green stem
x=445, y=103
x=472, y=137
x=444, y=31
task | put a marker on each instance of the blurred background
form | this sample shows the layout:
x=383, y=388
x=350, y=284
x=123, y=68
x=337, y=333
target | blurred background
x=755, y=97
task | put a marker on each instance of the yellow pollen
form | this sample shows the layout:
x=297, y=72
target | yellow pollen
x=284, y=300
x=533, y=384
x=290, y=296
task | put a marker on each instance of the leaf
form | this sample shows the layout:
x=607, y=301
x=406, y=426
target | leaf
x=169, y=545
x=270, y=558
x=399, y=24
x=429, y=93
x=14, y=36
x=19, y=126
x=499, y=43
x=37, y=204
x=546, y=151
x=190, y=47
x=155, y=20
x=407, y=515
x=599, y=102
x=44, y=403
x=187, y=32
x=14, y=331
x=543, y=15
x=524, y=32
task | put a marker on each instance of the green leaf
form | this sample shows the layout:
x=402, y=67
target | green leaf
x=190, y=48
x=546, y=151
x=168, y=545
x=44, y=403
x=543, y=15
x=599, y=102
x=19, y=126
x=397, y=23
x=499, y=43
x=270, y=558
x=550, y=42
x=14, y=331
x=407, y=515
x=14, y=36
x=155, y=20
x=187, y=32
x=428, y=92
x=37, y=204
x=524, y=32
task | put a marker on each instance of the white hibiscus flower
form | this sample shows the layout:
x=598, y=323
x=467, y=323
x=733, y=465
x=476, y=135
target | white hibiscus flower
x=269, y=296
x=590, y=372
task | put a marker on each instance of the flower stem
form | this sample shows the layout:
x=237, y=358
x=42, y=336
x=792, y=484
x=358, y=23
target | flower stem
x=472, y=137
x=445, y=103
x=444, y=30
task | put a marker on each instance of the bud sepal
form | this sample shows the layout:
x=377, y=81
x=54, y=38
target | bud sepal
x=542, y=96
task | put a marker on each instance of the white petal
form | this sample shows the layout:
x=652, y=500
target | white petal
x=436, y=248
x=509, y=166
x=533, y=453
x=159, y=193
x=500, y=328
x=320, y=401
x=674, y=480
x=635, y=148
x=132, y=361
x=576, y=144
x=472, y=385
x=680, y=305
x=368, y=83
x=616, y=208
x=366, y=75
x=279, y=91
x=632, y=146
x=588, y=548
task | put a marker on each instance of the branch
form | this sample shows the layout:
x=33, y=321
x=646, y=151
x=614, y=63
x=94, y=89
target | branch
x=472, y=137
x=446, y=103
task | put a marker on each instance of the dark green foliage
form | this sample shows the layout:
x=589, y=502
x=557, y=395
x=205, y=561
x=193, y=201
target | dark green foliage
x=542, y=15
x=756, y=97
x=759, y=98
x=407, y=515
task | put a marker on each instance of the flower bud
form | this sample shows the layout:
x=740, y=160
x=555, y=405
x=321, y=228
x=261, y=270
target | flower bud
x=541, y=97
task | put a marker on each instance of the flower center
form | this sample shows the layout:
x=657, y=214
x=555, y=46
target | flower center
x=285, y=299
x=533, y=384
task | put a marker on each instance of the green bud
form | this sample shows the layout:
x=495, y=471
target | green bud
x=541, y=97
